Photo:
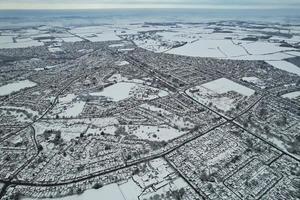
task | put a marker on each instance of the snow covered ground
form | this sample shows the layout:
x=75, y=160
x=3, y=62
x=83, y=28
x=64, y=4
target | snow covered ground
x=15, y=87
x=286, y=66
x=214, y=92
x=224, y=85
x=72, y=128
x=292, y=95
x=96, y=33
x=154, y=133
x=256, y=81
x=236, y=50
x=124, y=90
x=7, y=42
x=108, y=192
x=122, y=63
x=68, y=106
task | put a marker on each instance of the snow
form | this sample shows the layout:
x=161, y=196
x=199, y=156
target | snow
x=224, y=85
x=259, y=47
x=55, y=49
x=154, y=133
x=130, y=190
x=71, y=39
x=286, y=66
x=117, y=78
x=96, y=33
x=108, y=192
x=117, y=92
x=15, y=87
x=72, y=128
x=291, y=95
x=67, y=106
x=106, y=36
x=6, y=42
x=155, y=109
x=210, y=93
x=74, y=110
x=123, y=90
x=28, y=110
x=256, y=81
x=127, y=49
x=116, y=45
x=121, y=63
x=201, y=48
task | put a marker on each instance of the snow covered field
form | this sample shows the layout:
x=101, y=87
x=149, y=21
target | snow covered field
x=72, y=128
x=292, y=95
x=15, y=87
x=236, y=50
x=124, y=90
x=154, y=133
x=96, y=33
x=7, y=42
x=224, y=85
x=214, y=92
x=108, y=192
x=286, y=66
x=256, y=81
x=68, y=106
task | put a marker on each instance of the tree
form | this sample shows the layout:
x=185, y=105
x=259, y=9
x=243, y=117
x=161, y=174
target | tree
x=40, y=147
x=97, y=186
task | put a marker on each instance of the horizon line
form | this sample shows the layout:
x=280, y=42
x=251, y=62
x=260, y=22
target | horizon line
x=58, y=6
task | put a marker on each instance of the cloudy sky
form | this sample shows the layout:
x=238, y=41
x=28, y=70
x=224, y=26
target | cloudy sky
x=98, y=4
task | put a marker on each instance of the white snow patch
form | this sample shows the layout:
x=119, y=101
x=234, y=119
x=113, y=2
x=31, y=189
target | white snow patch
x=286, y=66
x=154, y=133
x=108, y=192
x=292, y=95
x=124, y=90
x=224, y=85
x=15, y=87
x=121, y=63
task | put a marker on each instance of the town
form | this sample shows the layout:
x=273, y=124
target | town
x=98, y=111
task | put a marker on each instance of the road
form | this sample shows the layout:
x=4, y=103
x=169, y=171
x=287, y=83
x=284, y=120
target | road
x=163, y=154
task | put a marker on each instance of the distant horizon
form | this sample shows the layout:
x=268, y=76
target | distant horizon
x=155, y=8
x=146, y=4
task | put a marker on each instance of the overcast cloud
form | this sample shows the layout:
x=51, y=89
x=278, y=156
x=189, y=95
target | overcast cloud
x=65, y=4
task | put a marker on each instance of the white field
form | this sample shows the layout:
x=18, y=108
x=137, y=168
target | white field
x=72, y=128
x=154, y=133
x=68, y=106
x=116, y=92
x=286, y=66
x=6, y=42
x=74, y=110
x=260, y=48
x=256, y=81
x=124, y=90
x=108, y=192
x=126, y=49
x=292, y=95
x=224, y=85
x=237, y=50
x=121, y=63
x=96, y=33
x=209, y=93
x=71, y=39
x=171, y=118
x=15, y=87
x=116, y=45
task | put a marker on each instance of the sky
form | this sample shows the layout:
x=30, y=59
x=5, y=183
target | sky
x=107, y=4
